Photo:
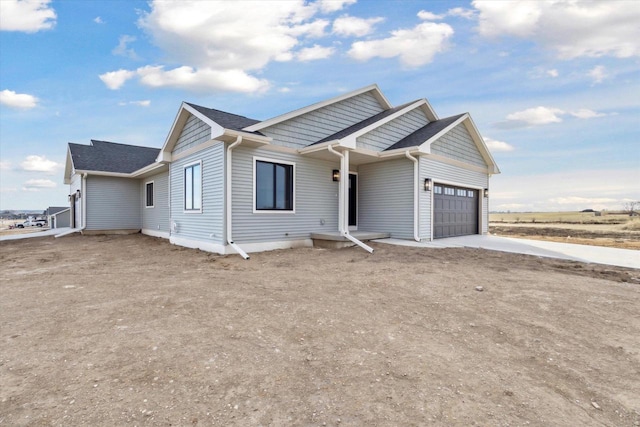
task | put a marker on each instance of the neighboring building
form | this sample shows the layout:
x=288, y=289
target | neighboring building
x=58, y=216
x=226, y=183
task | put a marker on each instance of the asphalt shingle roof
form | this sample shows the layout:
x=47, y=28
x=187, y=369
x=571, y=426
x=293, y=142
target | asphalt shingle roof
x=363, y=124
x=107, y=156
x=424, y=133
x=224, y=119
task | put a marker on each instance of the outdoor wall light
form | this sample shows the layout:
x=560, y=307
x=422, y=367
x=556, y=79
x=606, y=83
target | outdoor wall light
x=427, y=184
x=77, y=194
x=336, y=175
x=486, y=192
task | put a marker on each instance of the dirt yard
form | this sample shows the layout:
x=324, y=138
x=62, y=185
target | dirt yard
x=608, y=235
x=130, y=330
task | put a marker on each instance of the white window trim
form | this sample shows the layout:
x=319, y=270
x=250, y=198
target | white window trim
x=184, y=187
x=276, y=212
x=153, y=195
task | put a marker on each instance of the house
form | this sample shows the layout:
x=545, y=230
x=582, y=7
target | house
x=58, y=216
x=335, y=169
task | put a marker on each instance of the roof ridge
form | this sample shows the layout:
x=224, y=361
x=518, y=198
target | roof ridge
x=118, y=143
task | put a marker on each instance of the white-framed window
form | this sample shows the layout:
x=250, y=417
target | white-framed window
x=461, y=193
x=437, y=189
x=192, y=174
x=273, y=186
x=471, y=193
x=149, y=194
x=449, y=191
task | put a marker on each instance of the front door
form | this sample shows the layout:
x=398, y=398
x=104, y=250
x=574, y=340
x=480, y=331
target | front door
x=353, y=201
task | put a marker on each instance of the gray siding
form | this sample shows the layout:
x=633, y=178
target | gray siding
x=385, y=201
x=194, y=132
x=112, y=203
x=392, y=132
x=157, y=217
x=452, y=174
x=62, y=219
x=316, y=199
x=316, y=125
x=208, y=225
x=457, y=144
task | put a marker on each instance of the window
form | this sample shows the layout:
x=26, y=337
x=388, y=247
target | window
x=193, y=187
x=437, y=189
x=471, y=193
x=449, y=191
x=273, y=186
x=461, y=193
x=148, y=188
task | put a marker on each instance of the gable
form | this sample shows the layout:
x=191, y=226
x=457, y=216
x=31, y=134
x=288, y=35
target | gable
x=458, y=144
x=388, y=134
x=194, y=132
x=308, y=128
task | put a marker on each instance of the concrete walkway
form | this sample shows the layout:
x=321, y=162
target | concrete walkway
x=583, y=253
x=42, y=233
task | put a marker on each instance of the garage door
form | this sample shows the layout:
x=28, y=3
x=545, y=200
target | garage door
x=455, y=210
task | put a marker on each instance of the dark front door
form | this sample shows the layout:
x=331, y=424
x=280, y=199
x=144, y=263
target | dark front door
x=353, y=200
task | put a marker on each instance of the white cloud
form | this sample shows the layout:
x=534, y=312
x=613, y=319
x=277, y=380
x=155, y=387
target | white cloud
x=598, y=74
x=540, y=115
x=347, y=26
x=38, y=184
x=215, y=48
x=571, y=28
x=537, y=116
x=496, y=146
x=40, y=164
x=429, y=16
x=552, y=73
x=123, y=47
x=98, y=20
x=115, y=79
x=144, y=103
x=284, y=90
x=18, y=100
x=585, y=113
x=8, y=189
x=315, y=52
x=414, y=47
x=28, y=16
x=462, y=12
x=328, y=6
x=5, y=166
x=201, y=79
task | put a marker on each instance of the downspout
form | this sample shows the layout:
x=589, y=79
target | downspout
x=83, y=194
x=228, y=200
x=416, y=196
x=343, y=226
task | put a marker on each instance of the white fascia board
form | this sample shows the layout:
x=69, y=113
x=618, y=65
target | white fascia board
x=178, y=123
x=246, y=135
x=350, y=140
x=401, y=152
x=429, y=111
x=377, y=93
x=482, y=146
x=319, y=147
x=148, y=168
x=68, y=168
x=101, y=173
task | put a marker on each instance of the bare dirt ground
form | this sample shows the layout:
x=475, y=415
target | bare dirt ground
x=130, y=330
x=609, y=235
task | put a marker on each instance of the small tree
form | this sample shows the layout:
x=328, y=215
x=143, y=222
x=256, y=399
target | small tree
x=631, y=207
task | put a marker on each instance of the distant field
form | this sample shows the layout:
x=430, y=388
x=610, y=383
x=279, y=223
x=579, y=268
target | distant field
x=560, y=217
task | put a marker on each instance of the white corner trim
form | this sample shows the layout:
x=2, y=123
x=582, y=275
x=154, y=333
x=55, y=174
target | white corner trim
x=287, y=116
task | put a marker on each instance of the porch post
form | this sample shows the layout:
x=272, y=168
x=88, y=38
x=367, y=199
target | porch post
x=344, y=181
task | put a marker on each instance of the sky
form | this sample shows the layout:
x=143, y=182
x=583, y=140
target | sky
x=553, y=86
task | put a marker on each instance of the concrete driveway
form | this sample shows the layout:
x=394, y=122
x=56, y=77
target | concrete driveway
x=582, y=253
x=42, y=233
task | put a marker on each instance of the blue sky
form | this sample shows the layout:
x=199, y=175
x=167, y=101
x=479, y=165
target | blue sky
x=554, y=87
